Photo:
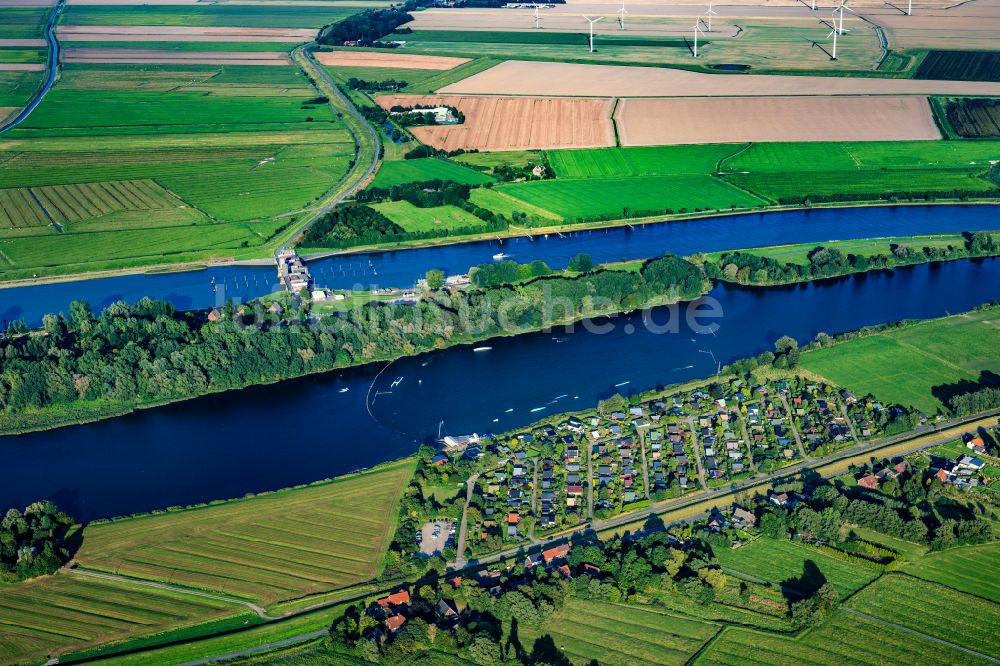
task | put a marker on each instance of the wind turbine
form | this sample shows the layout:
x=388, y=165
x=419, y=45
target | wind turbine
x=592, y=22
x=697, y=29
x=710, y=13
x=538, y=19
x=839, y=10
x=833, y=33
x=621, y=16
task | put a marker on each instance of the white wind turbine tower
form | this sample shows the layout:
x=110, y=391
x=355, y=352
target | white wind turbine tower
x=592, y=22
x=710, y=13
x=538, y=19
x=833, y=33
x=697, y=29
x=621, y=16
x=839, y=10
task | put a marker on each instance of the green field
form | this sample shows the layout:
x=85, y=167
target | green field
x=777, y=170
x=620, y=634
x=419, y=81
x=612, y=198
x=54, y=614
x=399, y=172
x=506, y=205
x=843, y=639
x=904, y=365
x=644, y=161
x=967, y=569
x=511, y=157
x=783, y=561
x=255, y=548
x=23, y=22
x=252, y=16
x=932, y=609
x=960, y=66
x=168, y=164
x=412, y=218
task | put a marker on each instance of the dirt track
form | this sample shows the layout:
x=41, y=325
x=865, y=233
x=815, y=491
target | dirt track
x=665, y=122
x=565, y=79
x=391, y=59
x=515, y=123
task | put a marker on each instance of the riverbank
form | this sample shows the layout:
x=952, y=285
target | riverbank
x=661, y=282
x=263, y=256
x=804, y=262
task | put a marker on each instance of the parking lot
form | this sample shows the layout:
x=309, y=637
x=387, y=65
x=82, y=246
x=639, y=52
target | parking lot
x=435, y=536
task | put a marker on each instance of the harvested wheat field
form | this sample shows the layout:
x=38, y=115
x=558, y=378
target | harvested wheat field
x=7, y=111
x=393, y=60
x=22, y=43
x=515, y=123
x=175, y=33
x=516, y=77
x=967, y=26
x=668, y=122
x=21, y=67
x=163, y=57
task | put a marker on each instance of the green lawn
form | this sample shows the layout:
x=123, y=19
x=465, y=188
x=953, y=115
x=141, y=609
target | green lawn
x=502, y=203
x=252, y=16
x=799, y=253
x=970, y=569
x=620, y=634
x=651, y=161
x=904, y=365
x=23, y=22
x=843, y=639
x=613, y=197
x=932, y=609
x=511, y=157
x=408, y=171
x=783, y=561
x=412, y=218
x=777, y=170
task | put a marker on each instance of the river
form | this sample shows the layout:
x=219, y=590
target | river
x=212, y=286
x=298, y=431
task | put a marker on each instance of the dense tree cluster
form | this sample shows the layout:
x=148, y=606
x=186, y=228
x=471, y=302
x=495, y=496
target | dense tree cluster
x=33, y=543
x=147, y=352
x=422, y=115
x=388, y=85
x=976, y=401
x=823, y=262
x=507, y=272
x=366, y=27
x=353, y=225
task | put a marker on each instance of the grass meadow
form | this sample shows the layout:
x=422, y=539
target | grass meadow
x=776, y=170
x=168, y=163
x=965, y=569
x=932, y=609
x=244, y=16
x=904, y=365
x=620, y=634
x=23, y=22
x=639, y=161
x=412, y=218
x=59, y=613
x=505, y=204
x=398, y=172
x=269, y=548
x=623, y=197
x=842, y=639
x=782, y=561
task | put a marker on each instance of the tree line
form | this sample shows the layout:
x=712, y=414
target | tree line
x=33, y=542
x=147, y=351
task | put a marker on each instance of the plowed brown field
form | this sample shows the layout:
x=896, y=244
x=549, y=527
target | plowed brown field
x=515, y=123
x=666, y=122
x=393, y=60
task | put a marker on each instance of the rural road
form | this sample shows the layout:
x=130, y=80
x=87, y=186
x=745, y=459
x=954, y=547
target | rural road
x=304, y=58
x=52, y=69
x=943, y=430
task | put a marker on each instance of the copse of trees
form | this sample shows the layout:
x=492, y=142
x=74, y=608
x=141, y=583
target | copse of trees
x=388, y=85
x=146, y=352
x=366, y=27
x=507, y=272
x=33, y=543
x=823, y=262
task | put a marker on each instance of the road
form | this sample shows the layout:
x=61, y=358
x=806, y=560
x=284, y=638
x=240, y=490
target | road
x=353, y=181
x=746, y=438
x=645, y=465
x=697, y=452
x=791, y=425
x=463, y=528
x=52, y=69
x=945, y=432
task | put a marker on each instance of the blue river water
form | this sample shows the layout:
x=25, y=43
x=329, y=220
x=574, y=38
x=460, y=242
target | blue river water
x=212, y=286
x=302, y=430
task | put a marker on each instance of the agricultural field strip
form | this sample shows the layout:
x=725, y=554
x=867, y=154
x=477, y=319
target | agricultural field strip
x=961, y=569
x=514, y=77
x=932, y=609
